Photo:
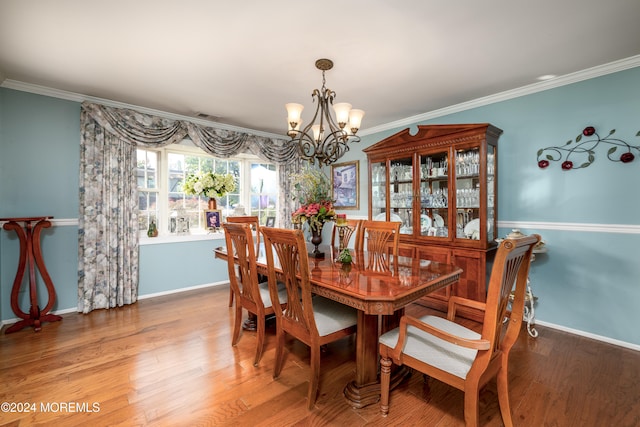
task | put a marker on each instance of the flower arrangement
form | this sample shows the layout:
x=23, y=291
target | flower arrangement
x=209, y=184
x=312, y=189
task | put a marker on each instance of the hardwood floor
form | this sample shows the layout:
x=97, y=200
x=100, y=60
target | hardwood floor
x=168, y=361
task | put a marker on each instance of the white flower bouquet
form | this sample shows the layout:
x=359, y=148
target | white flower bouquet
x=209, y=184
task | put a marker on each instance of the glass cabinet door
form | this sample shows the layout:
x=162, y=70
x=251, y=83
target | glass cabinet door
x=492, y=233
x=434, y=195
x=401, y=193
x=379, y=191
x=468, y=202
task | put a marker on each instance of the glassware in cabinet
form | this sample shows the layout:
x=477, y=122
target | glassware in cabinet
x=434, y=194
x=492, y=232
x=468, y=193
x=379, y=190
x=401, y=193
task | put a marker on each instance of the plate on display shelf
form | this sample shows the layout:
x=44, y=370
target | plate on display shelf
x=383, y=217
x=438, y=220
x=472, y=229
x=425, y=223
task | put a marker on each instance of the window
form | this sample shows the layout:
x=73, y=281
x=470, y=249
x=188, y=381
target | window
x=147, y=173
x=162, y=172
x=182, y=165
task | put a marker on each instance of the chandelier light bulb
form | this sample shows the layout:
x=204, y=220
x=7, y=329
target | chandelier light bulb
x=355, y=120
x=294, y=113
x=342, y=110
x=317, y=133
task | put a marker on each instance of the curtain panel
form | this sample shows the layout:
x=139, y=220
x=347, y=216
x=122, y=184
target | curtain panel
x=108, y=220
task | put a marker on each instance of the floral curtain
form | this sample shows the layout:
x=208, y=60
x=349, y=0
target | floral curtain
x=108, y=223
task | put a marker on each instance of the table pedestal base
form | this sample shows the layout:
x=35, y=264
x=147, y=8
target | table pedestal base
x=368, y=394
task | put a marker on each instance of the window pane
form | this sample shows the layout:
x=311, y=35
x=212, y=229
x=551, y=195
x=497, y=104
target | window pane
x=264, y=190
x=146, y=178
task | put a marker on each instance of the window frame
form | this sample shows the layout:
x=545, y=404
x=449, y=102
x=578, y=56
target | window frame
x=186, y=147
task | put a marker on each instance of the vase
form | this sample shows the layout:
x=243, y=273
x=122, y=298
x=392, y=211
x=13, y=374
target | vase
x=316, y=239
x=213, y=203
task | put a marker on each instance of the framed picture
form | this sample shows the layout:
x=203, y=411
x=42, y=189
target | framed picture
x=179, y=225
x=271, y=221
x=212, y=218
x=344, y=181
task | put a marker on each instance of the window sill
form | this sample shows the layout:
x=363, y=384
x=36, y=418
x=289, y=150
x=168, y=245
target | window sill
x=172, y=238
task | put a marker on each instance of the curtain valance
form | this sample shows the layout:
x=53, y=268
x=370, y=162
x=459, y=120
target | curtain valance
x=147, y=130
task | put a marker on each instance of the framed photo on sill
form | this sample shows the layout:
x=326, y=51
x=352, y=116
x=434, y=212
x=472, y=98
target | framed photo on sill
x=179, y=225
x=271, y=221
x=345, y=179
x=213, y=219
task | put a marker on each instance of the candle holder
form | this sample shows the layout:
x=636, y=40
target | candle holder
x=344, y=231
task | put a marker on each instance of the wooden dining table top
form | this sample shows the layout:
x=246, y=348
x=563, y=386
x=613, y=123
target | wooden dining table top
x=368, y=290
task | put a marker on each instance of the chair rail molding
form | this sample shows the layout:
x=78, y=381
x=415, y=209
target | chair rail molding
x=572, y=226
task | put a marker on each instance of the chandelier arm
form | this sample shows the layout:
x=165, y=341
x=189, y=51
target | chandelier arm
x=328, y=101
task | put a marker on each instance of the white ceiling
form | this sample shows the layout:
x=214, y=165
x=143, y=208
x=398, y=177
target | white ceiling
x=241, y=61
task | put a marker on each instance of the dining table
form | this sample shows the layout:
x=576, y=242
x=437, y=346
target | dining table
x=379, y=295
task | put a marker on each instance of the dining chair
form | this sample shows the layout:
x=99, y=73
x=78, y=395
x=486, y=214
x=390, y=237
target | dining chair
x=351, y=230
x=250, y=295
x=254, y=221
x=456, y=355
x=380, y=240
x=313, y=320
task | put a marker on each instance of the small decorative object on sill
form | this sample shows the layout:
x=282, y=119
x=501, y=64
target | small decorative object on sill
x=213, y=203
x=238, y=210
x=580, y=149
x=153, y=230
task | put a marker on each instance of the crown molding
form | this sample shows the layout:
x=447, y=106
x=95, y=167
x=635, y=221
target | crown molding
x=77, y=97
x=590, y=73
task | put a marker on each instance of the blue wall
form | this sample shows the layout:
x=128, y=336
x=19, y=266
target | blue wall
x=39, y=157
x=588, y=281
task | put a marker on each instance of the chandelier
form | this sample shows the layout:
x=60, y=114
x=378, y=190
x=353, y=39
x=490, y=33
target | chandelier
x=325, y=138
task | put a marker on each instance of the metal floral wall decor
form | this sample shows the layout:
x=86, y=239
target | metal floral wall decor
x=583, y=149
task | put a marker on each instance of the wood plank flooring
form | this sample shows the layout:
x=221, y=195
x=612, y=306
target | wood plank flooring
x=168, y=361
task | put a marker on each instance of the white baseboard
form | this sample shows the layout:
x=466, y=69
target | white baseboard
x=177, y=291
x=601, y=338
x=140, y=297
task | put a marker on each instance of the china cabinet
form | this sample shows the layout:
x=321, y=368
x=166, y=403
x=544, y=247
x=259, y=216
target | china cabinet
x=441, y=184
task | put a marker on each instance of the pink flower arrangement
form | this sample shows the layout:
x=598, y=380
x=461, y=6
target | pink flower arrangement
x=316, y=214
x=311, y=189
